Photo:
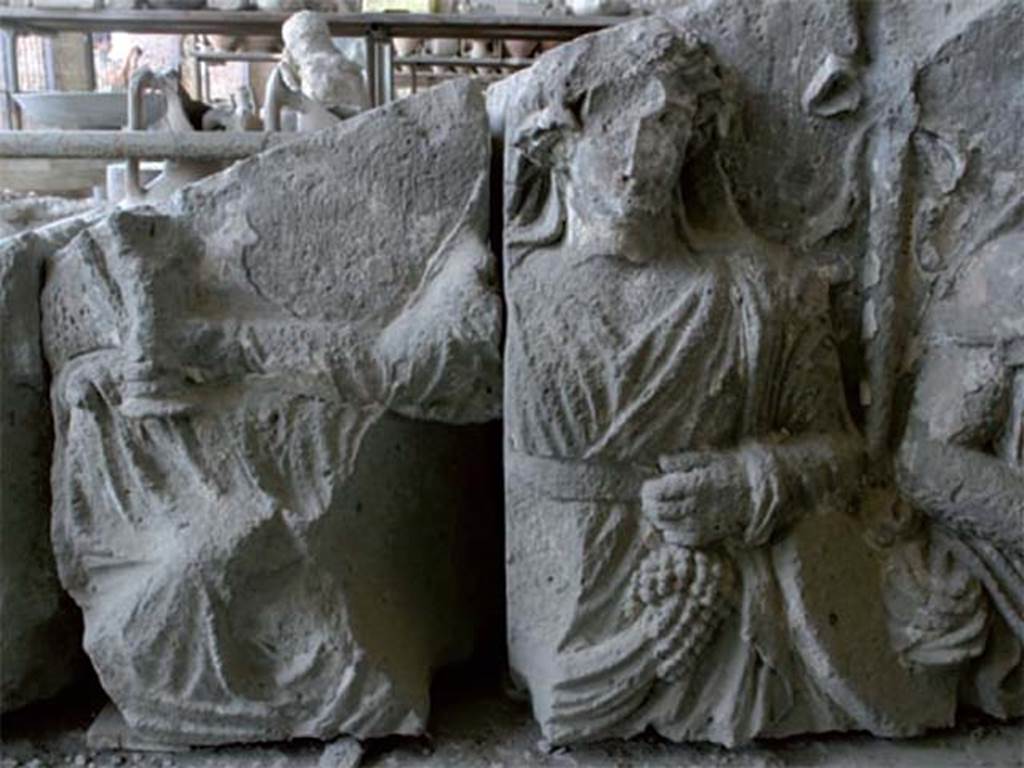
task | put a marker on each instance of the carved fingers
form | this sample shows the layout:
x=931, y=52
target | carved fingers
x=705, y=500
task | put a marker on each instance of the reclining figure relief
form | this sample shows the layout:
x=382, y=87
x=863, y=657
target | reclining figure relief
x=262, y=549
x=677, y=439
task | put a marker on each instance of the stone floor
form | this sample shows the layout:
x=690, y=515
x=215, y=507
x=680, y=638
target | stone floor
x=475, y=726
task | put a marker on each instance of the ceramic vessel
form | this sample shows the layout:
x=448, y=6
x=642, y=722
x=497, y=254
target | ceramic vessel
x=82, y=110
x=406, y=46
x=520, y=49
x=442, y=46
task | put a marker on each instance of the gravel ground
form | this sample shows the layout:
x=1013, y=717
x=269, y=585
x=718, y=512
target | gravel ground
x=476, y=726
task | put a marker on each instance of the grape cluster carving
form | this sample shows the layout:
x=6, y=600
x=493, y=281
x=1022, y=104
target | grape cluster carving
x=681, y=595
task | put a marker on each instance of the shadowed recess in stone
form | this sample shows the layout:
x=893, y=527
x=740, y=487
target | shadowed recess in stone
x=39, y=632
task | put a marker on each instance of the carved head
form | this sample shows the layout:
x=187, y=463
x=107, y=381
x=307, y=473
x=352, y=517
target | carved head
x=610, y=119
x=305, y=33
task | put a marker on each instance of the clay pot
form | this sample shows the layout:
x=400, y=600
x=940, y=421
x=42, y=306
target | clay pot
x=477, y=49
x=520, y=49
x=442, y=46
x=406, y=46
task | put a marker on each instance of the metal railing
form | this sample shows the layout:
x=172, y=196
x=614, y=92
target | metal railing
x=376, y=29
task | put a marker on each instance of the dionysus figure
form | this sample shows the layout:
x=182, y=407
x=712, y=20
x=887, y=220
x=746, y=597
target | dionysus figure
x=957, y=593
x=673, y=411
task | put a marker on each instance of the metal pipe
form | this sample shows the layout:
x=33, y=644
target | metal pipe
x=9, y=51
x=139, y=145
x=340, y=24
x=219, y=56
x=462, y=61
x=197, y=76
x=49, y=64
x=371, y=68
x=9, y=54
x=386, y=67
x=90, y=62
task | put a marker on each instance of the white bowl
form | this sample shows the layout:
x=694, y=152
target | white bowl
x=82, y=110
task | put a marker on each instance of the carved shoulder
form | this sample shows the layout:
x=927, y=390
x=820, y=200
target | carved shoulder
x=962, y=396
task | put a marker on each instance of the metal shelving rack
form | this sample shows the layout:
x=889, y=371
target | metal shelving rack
x=376, y=29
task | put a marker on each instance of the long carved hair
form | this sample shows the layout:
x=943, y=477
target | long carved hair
x=547, y=111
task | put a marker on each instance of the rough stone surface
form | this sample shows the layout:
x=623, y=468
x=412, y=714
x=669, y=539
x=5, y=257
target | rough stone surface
x=710, y=315
x=39, y=636
x=264, y=543
x=19, y=214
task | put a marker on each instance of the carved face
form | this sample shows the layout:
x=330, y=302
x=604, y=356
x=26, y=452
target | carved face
x=627, y=160
x=603, y=127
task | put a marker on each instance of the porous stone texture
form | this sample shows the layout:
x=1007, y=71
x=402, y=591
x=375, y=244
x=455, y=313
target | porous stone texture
x=39, y=633
x=22, y=213
x=263, y=530
x=711, y=315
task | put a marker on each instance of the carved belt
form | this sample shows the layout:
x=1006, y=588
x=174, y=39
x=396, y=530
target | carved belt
x=579, y=480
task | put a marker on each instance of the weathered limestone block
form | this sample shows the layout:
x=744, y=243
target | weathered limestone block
x=263, y=542
x=681, y=466
x=39, y=634
x=19, y=214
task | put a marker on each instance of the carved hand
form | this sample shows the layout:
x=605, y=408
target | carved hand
x=701, y=499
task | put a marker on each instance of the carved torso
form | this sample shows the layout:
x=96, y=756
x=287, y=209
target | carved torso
x=615, y=360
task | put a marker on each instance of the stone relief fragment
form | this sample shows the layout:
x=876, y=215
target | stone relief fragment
x=39, y=634
x=950, y=212
x=680, y=462
x=956, y=589
x=955, y=581
x=250, y=507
